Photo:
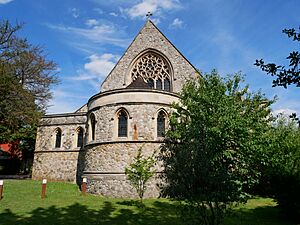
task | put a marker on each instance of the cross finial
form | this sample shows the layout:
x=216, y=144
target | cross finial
x=149, y=14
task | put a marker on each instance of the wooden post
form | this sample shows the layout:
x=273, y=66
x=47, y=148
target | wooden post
x=1, y=189
x=83, y=186
x=44, y=184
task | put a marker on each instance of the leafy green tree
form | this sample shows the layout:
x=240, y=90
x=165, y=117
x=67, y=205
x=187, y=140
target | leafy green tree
x=284, y=76
x=215, y=140
x=25, y=79
x=282, y=172
x=140, y=171
x=27, y=64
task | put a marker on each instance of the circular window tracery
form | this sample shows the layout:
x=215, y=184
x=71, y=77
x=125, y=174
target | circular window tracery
x=154, y=70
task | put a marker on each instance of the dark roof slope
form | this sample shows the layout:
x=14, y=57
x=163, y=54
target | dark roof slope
x=138, y=83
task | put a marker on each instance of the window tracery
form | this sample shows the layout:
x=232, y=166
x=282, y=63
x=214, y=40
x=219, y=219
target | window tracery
x=154, y=69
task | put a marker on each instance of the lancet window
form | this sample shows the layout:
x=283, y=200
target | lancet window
x=154, y=70
x=93, y=126
x=80, y=137
x=58, y=138
x=122, y=123
x=161, y=124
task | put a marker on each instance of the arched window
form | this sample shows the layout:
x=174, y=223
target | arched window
x=154, y=69
x=80, y=137
x=58, y=138
x=161, y=124
x=122, y=124
x=158, y=84
x=93, y=126
x=167, y=85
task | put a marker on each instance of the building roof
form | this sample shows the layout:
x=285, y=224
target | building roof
x=138, y=83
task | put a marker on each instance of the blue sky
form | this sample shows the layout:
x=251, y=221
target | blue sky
x=86, y=38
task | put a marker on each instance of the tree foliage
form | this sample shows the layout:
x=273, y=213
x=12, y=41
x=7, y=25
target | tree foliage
x=27, y=64
x=282, y=172
x=140, y=171
x=25, y=79
x=284, y=76
x=214, y=142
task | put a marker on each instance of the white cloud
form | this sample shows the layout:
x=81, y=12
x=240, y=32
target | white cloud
x=5, y=1
x=101, y=64
x=284, y=111
x=113, y=14
x=63, y=101
x=177, y=23
x=156, y=21
x=100, y=34
x=153, y=6
x=91, y=22
x=96, y=69
x=98, y=10
x=75, y=12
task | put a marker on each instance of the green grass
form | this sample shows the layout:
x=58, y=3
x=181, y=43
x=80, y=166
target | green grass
x=65, y=205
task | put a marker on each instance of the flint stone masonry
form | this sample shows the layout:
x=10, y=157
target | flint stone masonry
x=118, y=186
x=55, y=166
x=105, y=165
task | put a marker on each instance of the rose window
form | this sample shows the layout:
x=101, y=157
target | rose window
x=154, y=70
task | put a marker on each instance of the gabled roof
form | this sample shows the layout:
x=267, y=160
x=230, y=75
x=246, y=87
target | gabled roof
x=149, y=37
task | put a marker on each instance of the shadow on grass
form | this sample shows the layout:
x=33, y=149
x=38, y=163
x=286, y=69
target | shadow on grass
x=264, y=215
x=128, y=212
x=158, y=213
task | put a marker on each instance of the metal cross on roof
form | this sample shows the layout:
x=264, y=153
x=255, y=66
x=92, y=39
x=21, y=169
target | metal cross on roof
x=149, y=14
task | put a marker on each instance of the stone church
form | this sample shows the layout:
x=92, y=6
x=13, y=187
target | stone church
x=131, y=111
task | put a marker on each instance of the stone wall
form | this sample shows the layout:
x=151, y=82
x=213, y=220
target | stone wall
x=104, y=167
x=57, y=163
x=56, y=166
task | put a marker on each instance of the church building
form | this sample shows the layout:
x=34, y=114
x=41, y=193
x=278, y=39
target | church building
x=131, y=111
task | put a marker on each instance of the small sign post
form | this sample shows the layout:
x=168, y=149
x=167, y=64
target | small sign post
x=83, y=186
x=44, y=184
x=1, y=189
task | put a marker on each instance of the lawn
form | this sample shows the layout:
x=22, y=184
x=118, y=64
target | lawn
x=65, y=205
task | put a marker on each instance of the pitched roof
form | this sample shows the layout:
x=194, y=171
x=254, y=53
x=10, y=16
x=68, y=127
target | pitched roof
x=138, y=83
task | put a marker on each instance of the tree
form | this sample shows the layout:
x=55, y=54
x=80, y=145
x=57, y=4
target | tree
x=27, y=63
x=25, y=79
x=213, y=145
x=285, y=76
x=282, y=172
x=140, y=171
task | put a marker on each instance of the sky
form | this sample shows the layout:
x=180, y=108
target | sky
x=87, y=37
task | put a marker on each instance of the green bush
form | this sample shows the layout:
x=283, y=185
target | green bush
x=281, y=174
